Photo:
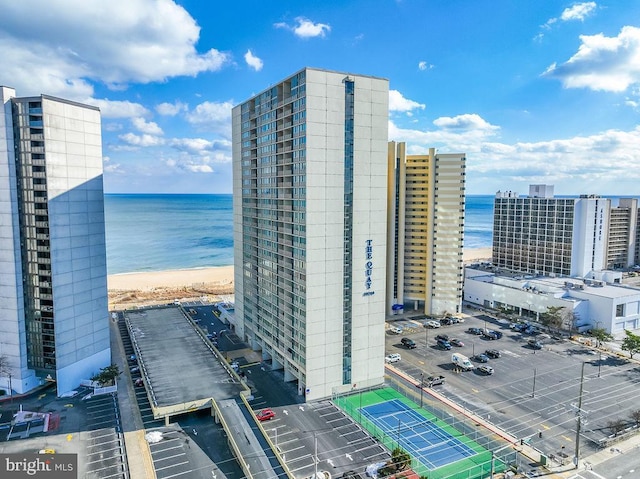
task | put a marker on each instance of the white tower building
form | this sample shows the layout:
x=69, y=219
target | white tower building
x=54, y=322
x=310, y=178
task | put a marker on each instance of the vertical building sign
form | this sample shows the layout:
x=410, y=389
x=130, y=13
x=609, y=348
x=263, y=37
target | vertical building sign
x=368, y=268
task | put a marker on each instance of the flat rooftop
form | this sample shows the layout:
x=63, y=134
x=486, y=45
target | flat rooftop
x=181, y=368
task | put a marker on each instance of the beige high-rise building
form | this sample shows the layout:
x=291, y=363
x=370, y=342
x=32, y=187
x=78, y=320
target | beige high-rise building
x=425, y=216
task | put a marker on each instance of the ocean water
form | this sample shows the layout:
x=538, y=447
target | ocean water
x=162, y=232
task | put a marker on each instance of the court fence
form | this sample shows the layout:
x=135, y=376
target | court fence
x=491, y=454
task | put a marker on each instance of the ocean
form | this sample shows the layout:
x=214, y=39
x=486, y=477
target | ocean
x=168, y=231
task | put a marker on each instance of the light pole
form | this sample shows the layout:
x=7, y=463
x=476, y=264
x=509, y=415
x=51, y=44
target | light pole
x=421, y=387
x=599, y=360
x=533, y=393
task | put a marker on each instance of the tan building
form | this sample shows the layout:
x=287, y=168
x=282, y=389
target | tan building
x=425, y=217
x=622, y=233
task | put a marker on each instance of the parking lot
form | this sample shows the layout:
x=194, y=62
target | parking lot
x=532, y=394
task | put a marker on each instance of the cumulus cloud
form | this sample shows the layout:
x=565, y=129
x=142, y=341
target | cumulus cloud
x=305, y=28
x=602, y=63
x=69, y=45
x=212, y=116
x=117, y=109
x=397, y=102
x=143, y=126
x=579, y=11
x=171, y=109
x=589, y=163
x=253, y=61
x=468, y=121
x=424, y=66
x=144, y=140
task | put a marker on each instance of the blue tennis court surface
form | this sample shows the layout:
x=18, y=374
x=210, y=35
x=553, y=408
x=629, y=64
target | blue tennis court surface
x=431, y=445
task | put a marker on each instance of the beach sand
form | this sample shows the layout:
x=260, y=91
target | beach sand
x=131, y=289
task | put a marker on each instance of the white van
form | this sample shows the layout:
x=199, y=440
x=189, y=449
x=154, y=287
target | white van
x=461, y=361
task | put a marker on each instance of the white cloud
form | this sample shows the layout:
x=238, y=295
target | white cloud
x=305, y=28
x=579, y=11
x=148, y=127
x=577, y=165
x=253, y=61
x=397, y=102
x=71, y=43
x=424, y=66
x=117, y=109
x=144, y=140
x=602, y=63
x=468, y=121
x=171, y=109
x=212, y=116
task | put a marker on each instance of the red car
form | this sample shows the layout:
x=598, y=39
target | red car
x=266, y=414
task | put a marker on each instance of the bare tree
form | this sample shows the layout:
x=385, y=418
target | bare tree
x=5, y=368
x=616, y=426
x=635, y=415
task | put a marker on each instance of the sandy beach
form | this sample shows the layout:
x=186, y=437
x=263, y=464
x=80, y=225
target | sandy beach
x=221, y=276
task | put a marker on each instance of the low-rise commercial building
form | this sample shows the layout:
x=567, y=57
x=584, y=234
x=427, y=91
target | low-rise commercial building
x=600, y=303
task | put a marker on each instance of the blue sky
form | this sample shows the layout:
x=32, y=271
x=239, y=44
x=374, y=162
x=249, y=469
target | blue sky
x=532, y=91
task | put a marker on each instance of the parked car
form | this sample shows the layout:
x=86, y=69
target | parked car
x=432, y=324
x=138, y=382
x=493, y=353
x=394, y=330
x=487, y=370
x=457, y=342
x=442, y=337
x=481, y=358
x=446, y=321
x=533, y=344
x=392, y=358
x=408, y=343
x=489, y=334
x=446, y=345
x=434, y=381
x=266, y=414
x=476, y=331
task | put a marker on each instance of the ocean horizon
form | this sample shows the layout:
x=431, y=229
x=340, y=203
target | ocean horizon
x=159, y=232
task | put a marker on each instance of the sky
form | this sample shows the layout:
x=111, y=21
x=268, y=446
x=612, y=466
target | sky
x=534, y=92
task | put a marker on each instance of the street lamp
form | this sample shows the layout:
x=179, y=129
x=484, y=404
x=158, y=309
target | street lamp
x=421, y=387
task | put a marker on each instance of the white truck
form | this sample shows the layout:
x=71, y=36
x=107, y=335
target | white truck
x=461, y=361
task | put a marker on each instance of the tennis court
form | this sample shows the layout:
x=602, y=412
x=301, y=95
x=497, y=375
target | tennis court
x=437, y=449
x=426, y=442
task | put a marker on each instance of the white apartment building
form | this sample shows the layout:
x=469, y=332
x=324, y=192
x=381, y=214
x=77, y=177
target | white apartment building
x=545, y=235
x=53, y=279
x=425, y=215
x=309, y=184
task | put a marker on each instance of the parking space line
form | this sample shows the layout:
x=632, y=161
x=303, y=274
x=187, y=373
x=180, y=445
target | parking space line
x=297, y=459
x=166, y=449
x=177, y=474
x=100, y=444
x=171, y=466
x=169, y=457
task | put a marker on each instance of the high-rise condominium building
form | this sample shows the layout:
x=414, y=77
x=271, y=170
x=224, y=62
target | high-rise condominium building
x=426, y=231
x=541, y=234
x=309, y=183
x=53, y=290
x=622, y=234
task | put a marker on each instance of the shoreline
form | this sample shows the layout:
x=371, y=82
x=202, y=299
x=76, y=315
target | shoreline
x=213, y=275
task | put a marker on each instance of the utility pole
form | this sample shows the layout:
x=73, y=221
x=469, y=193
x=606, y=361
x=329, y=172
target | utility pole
x=533, y=393
x=579, y=414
